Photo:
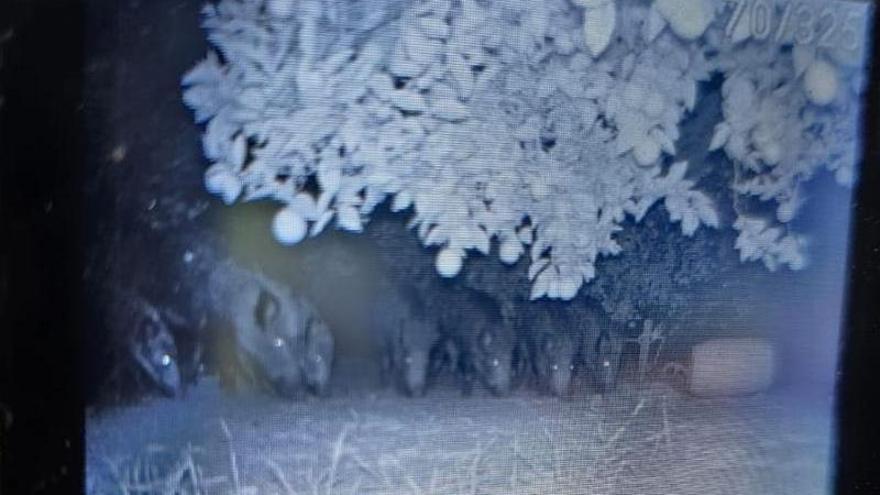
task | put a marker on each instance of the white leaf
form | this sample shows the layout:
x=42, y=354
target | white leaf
x=408, y=100
x=349, y=218
x=537, y=267
x=568, y=287
x=322, y=222
x=221, y=181
x=802, y=56
x=208, y=71
x=436, y=236
x=481, y=240
x=654, y=25
x=330, y=178
x=404, y=66
x=628, y=135
x=687, y=18
x=677, y=171
x=706, y=211
x=542, y=285
x=719, y=139
x=433, y=27
x=525, y=235
x=654, y=105
x=599, y=27
x=588, y=271
x=464, y=78
x=402, y=201
x=689, y=223
x=238, y=151
x=690, y=95
x=665, y=142
x=445, y=104
x=591, y=4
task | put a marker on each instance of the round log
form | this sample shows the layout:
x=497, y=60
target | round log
x=731, y=366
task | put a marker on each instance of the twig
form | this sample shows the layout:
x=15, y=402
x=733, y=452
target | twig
x=554, y=463
x=363, y=465
x=313, y=482
x=666, y=432
x=232, y=458
x=474, y=466
x=356, y=487
x=611, y=441
x=413, y=485
x=638, y=407
x=383, y=472
x=189, y=466
x=432, y=485
x=514, y=482
x=337, y=455
x=279, y=475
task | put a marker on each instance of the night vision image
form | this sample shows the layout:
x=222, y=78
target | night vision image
x=468, y=246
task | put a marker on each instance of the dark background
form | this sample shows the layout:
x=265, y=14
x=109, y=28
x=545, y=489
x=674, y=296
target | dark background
x=53, y=66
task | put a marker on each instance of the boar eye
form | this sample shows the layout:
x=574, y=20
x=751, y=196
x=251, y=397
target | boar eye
x=571, y=367
x=266, y=310
x=318, y=359
x=278, y=342
x=606, y=363
x=166, y=360
x=495, y=363
x=555, y=367
x=150, y=328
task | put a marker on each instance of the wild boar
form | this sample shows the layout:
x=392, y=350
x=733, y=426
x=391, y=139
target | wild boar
x=553, y=342
x=602, y=352
x=280, y=342
x=145, y=345
x=408, y=334
x=485, y=341
x=318, y=358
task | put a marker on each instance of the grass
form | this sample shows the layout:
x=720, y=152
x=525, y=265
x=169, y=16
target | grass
x=525, y=444
x=490, y=463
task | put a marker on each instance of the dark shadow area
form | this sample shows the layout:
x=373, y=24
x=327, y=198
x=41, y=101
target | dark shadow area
x=858, y=406
x=41, y=191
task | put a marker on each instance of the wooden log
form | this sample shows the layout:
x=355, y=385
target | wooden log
x=731, y=366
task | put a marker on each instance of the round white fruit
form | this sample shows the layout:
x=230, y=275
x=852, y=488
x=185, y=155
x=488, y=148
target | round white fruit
x=449, y=262
x=821, y=83
x=288, y=226
x=511, y=248
x=646, y=152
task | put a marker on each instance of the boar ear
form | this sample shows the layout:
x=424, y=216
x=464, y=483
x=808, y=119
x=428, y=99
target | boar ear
x=314, y=325
x=266, y=311
x=486, y=339
x=600, y=343
x=606, y=344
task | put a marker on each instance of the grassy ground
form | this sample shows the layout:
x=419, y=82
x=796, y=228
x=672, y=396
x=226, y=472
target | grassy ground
x=654, y=441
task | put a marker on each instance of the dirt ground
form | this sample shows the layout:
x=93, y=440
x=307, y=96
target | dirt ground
x=653, y=440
